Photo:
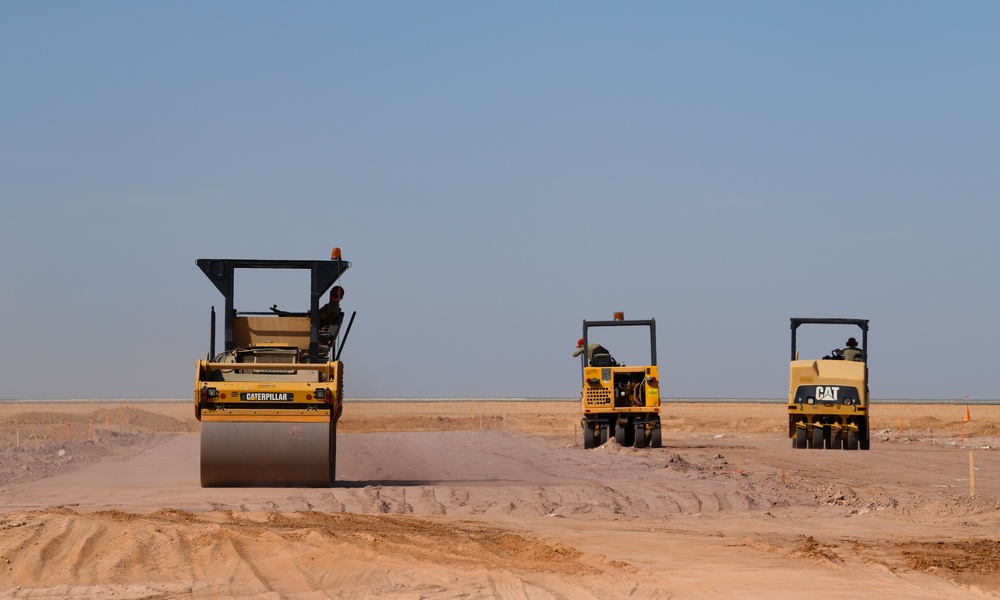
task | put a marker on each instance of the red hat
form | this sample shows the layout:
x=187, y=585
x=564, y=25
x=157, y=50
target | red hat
x=579, y=342
x=852, y=342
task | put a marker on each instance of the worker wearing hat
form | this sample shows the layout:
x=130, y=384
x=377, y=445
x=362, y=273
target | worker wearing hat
x=592, y=349
x=851, y=352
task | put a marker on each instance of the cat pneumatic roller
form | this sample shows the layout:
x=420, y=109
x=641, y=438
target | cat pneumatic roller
x=828, y=399
x=619, y=400
x=270, y=401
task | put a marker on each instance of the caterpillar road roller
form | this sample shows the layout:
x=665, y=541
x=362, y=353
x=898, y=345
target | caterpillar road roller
x=270, y=400
x=828, y=398
x=619, y=400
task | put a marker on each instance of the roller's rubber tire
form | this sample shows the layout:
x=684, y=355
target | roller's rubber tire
x=800, y=438
x=852, y=440
x=589, y=440
x=640, y=435
x=818, y=437
x=604, y=434
x=620, y=434
x=655, y=438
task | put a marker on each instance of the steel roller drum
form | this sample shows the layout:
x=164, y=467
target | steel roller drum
x=267, y=454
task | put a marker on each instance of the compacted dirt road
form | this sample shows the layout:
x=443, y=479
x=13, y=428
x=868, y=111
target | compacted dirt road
x=499, y=500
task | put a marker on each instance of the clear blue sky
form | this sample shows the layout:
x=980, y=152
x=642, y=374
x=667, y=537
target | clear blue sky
x=496, y=173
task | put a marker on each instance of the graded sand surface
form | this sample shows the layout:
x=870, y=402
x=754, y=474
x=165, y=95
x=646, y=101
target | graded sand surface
x=500, y=500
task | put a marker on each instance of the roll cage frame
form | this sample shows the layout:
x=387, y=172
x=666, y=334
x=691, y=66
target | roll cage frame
x=222, y=271
x=861, y=323
x=651, y=323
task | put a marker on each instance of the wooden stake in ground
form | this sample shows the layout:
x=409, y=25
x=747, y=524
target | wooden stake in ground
x=972, y=475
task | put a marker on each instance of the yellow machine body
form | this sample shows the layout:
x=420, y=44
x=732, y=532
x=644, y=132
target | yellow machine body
x=828, y=403
x=827, y=391
x=639, y=390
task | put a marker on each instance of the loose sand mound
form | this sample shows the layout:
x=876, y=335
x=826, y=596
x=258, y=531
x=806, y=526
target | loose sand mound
x=259, y=555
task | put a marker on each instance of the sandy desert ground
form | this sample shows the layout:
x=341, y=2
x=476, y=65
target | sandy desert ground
x=499, y=500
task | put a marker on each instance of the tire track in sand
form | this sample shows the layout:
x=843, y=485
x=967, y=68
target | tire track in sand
x=272, y=569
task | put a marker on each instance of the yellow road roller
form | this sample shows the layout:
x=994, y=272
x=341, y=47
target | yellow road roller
x=619, y=400
x=270, y=400
x=828, y=398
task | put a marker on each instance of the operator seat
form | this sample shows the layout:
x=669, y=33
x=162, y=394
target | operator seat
x=602, y=360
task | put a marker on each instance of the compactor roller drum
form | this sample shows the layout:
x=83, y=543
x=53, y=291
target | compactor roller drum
x=619, y=401
x=273, y=454
x=828, y=400
x=269, y=403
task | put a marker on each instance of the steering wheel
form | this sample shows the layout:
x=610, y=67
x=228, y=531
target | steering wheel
x=837, y=354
